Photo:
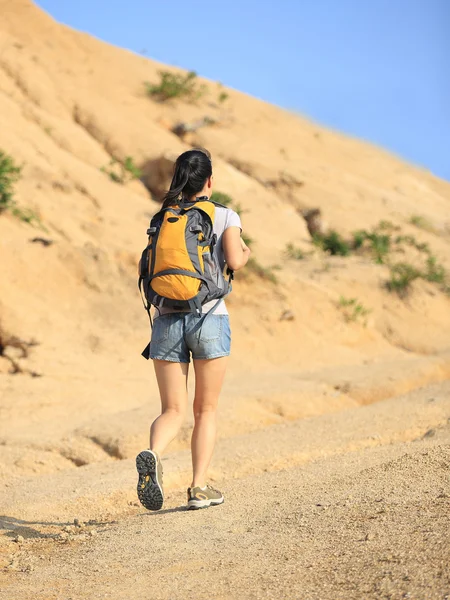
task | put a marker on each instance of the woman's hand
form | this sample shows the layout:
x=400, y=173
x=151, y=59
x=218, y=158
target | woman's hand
x=245, y=248
x=235, y=249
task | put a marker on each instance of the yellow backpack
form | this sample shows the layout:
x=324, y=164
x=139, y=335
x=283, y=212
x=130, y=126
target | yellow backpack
x=179, y=268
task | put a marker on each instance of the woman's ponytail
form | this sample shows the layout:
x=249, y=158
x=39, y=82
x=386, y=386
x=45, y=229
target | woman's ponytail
x=192, y=169
x=179, y=180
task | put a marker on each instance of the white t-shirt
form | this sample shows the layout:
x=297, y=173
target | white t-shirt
x=224, y=218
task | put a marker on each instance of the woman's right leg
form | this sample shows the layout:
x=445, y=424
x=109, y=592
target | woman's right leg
x=209, y=376
x=172, y=382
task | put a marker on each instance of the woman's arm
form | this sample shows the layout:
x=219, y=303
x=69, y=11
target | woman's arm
x=236, y=251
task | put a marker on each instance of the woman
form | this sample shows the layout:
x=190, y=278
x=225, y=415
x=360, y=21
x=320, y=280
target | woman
x=176, y=336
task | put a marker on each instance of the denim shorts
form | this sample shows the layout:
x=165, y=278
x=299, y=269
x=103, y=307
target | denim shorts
x=176, y=336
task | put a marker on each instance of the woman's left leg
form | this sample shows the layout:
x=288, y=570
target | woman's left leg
x=172, y=382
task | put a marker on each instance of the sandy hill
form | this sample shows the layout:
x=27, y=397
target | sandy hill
x=324, y=342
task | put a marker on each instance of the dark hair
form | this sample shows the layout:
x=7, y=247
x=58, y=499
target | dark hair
x=191, y=170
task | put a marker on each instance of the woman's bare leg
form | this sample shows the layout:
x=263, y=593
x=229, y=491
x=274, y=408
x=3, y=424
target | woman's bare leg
x=209, y=376
x=172, y=382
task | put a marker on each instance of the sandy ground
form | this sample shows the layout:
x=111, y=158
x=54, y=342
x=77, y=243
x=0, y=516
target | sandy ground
x=333, y=432
x=368, y=519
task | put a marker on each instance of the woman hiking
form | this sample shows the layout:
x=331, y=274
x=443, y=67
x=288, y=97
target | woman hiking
x=202, y=332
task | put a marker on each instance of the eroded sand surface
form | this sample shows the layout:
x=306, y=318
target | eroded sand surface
x=333, y=449
x=364, y=517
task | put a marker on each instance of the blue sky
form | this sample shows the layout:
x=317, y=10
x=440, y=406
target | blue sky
x=376, y=69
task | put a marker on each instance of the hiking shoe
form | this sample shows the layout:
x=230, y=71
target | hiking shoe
x=203, y=497
x=149, y=487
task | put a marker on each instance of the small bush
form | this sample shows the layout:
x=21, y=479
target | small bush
x=435, y=272
x=9, y=175
x=382, y=244
x=176, y=85
x=122, y=172
x=294, y=252
x=223, y=96
x=353, y=310
x=359, y=237
x=379, y=244
x=385, y=225
x=228, y=201
x=247, y=240
x=221, y=198
x=27, y=215
x=333, y=243
x=410, y=240
x=402, y=275
x=238, y=209
x=131, y=168
x=422, y=223
x=267, y=273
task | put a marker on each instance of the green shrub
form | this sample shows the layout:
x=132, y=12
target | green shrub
x=435, y=272
x=377, y=241
x=402, y=275
x=238, y=209
x=176, y=85
x=122, y=172
x=247, y=240
x=359, y=237
x=9, y=175
x=223, y=96
x=422, y=223
x=410, y=240
x=379, y=244
x=266, y=273
x=294, y=252
x=27, y=215
x=131, y=168
x=333, y=243
x=385, y=225
x=228, y=201
x=353, y=310
x=221, y=198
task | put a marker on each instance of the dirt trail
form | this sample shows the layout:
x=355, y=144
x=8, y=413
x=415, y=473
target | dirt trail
x=106, y=487
x=364, y=516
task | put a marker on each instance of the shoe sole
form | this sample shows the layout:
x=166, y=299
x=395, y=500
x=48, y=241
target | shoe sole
x=198, y=504
x=149, y=488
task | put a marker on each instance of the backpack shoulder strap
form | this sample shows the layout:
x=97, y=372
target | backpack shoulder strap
x=202, y=205
x=218, y=204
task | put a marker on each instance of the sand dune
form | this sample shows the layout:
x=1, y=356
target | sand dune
x=333, y=422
